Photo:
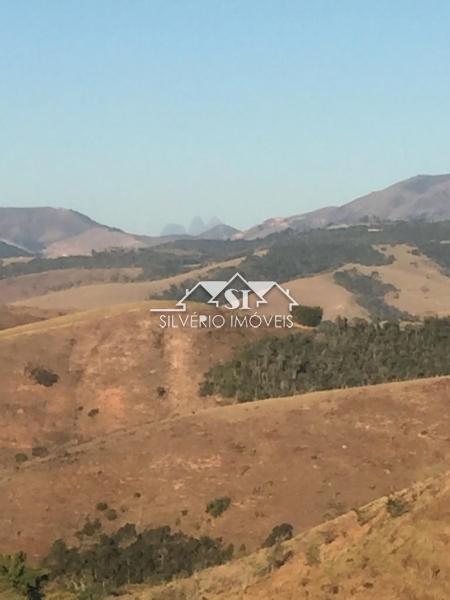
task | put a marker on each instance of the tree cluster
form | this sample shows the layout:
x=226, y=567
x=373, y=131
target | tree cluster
x=125, y=557
x=335, y=355
x=370, y=292
x=311, y=316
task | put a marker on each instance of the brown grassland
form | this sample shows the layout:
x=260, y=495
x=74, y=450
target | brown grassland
x=375, y=552
x=302, y=459
x=123, y=423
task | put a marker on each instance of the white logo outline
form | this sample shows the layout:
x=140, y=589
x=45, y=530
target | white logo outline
x=215, y=288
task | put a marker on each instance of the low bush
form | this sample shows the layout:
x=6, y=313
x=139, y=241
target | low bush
x=217, y=507
x=280, y=533
x=42, y=376
x=311, y=316
x=21, y=457
x=111, y=514
x=40, y=452
x=397, y=507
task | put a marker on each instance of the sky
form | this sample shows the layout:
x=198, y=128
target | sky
x=139, y=113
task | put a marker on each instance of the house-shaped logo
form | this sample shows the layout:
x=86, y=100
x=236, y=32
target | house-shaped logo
x=235, y=294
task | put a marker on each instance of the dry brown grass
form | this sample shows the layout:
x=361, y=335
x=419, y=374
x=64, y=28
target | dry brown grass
x=84, y=297
x=116, y=360
x=12, y=316
x=423, y=289
x=321, y=290
x=365, y=554
x=15, y=289
x=302, y=459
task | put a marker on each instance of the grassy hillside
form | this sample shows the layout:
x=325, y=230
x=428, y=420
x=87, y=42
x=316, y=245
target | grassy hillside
x=411, y=283
x=392, y=549
x=12, y=316
x=107, y=443
x=112, y=369
x=300, y=460
x=156, y=262
x=96, y=287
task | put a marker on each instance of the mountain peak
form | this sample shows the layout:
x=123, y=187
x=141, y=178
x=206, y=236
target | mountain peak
x=423, y=196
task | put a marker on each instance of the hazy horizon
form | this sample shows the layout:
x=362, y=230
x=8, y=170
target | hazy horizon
x=150, y=113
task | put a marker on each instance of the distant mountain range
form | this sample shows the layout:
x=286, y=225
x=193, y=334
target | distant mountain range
x=197, y=227
x=57, y=232
x=425, y=197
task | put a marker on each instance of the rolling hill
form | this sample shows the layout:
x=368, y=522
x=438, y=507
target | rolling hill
x=101, y=407
x=107, y=431
x=116, y=362
x=420, y=286
x=424, y=197
x=55, y=232
x=59, y=231
x=391, y=549
x=11, y=251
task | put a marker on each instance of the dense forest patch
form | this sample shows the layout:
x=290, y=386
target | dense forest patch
x=336, y=355
x=294, y=255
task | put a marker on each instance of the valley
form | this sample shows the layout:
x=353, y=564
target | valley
x=107, y=432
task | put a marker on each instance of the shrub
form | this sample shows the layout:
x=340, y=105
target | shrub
x=310, y=316
x=312, y=555
x=40, y=452
x=26, y=580
x=42, y=376
x=101, y=506
x=279, y=533
x=397, y=507
x=218, y=506
x=21, y=457
x=278, y=557
x=93, y=413
x=90, y=528
x=111, y=514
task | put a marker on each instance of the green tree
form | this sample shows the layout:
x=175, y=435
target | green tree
x=279, y=533
x=24, y=579
x=311, y=316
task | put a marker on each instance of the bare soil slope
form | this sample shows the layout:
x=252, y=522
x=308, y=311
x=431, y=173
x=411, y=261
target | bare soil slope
x=302, y=459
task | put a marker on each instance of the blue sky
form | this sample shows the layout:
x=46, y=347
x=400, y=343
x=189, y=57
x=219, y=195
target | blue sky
x=140, y=113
